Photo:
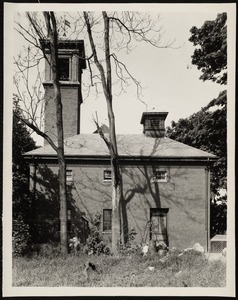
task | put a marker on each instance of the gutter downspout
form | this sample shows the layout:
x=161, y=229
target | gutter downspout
x=207, y=206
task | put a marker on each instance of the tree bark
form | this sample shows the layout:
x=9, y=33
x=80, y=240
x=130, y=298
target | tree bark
x=116, y=176
x=53, y=40
x=112, y=143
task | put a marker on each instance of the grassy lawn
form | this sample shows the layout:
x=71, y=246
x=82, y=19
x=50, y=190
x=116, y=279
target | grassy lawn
x=190, y=269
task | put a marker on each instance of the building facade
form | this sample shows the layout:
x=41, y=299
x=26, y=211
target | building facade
x=165, y=184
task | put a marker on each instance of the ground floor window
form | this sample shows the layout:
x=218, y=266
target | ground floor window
x=69, y=223
x=107, y=219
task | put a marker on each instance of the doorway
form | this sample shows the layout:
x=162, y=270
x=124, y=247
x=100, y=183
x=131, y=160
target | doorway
x=159, y=225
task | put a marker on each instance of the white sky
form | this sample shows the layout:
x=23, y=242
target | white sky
x=171, y=82
x=170, y=85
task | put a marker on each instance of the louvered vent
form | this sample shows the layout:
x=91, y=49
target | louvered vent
x=218, y=243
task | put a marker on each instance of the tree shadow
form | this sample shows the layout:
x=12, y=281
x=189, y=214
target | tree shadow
x=87, y=194
x=140, y=185
x=45, y=223
x=156, y=195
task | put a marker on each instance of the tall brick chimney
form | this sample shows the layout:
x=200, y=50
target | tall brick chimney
x=153, y=123
x=71, y=65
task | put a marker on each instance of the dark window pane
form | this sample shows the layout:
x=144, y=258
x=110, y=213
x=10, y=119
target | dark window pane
x=107, y=219
x=64, y=69
x=160, y=176
x=107, y=175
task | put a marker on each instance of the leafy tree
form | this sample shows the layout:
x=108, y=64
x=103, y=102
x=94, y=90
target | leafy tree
x=211, y=58
x=206, y=130
x=219, y=216
x=22, y=142
x=21, y=197
x=211, y=54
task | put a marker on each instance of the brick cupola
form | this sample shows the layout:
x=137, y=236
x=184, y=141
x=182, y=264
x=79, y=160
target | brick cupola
x=71, y=64
x=153, y=123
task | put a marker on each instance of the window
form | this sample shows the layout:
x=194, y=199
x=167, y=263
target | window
x=64, y=69
x=69, y=175
x=157, y=123
x=107, y=175
x=107, y=219
x=69, y=223
x=160, y=176
x=159, y=225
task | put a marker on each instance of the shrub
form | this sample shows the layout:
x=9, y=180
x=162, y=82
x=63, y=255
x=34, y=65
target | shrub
x=49, y=250
x=219, y=216
x=21, y=237
x=94, y=243
x=130, y=248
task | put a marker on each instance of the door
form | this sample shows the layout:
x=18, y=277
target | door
x=159, y=226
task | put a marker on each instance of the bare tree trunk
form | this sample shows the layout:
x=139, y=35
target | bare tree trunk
x=112, y=143
x=53, y=39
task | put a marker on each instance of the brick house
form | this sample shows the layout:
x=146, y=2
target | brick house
x=164, y=181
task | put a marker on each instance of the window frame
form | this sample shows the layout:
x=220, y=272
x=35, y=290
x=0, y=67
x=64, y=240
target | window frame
x=69, y=178
x=105, y=178
x=105, y=227
x=165, y=179
x=60, y=58
x=69, y=58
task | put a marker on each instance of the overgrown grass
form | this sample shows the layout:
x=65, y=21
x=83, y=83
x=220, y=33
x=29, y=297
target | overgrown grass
x=190, y=269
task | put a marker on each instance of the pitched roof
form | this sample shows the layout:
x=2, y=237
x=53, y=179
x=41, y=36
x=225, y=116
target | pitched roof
x=104, y=128
x=129, y=145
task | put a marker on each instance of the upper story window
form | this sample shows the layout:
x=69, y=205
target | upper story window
x=160, y=176
x=64, y=69
x=107, y=175
x=69, y=175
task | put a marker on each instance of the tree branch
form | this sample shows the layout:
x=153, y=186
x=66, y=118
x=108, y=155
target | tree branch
x=38, y=131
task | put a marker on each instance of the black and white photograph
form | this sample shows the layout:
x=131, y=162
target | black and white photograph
x=119, y=129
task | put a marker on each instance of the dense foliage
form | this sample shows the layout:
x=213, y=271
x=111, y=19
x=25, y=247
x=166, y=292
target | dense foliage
x=21, y=197
x=211, y=54
x=207, y=130
x=95, y=243
x=219, y=216
x=21, y=142
x=20, y=237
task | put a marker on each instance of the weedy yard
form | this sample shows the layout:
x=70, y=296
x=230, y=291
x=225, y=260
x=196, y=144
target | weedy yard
x=191, y=269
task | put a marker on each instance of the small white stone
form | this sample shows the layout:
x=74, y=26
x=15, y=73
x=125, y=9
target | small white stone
x=145, y=249
x=187, y=249
x=198, y=247
x=224, y=252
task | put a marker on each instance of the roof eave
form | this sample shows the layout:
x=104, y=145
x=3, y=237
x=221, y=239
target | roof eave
x=203, y=159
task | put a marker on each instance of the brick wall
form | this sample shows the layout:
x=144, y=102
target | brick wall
x=184, y=195
x=71, y=108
